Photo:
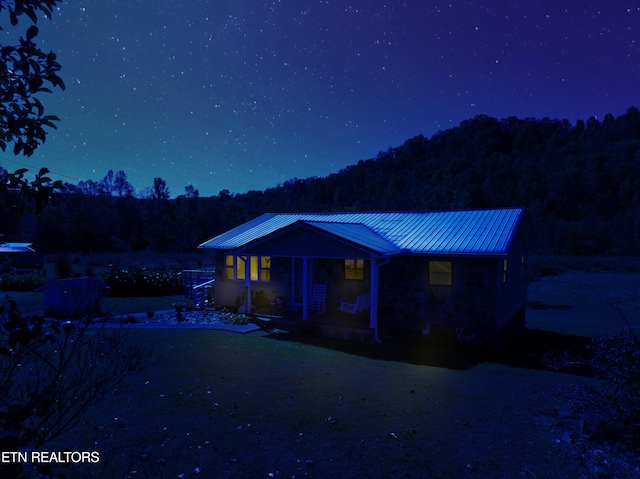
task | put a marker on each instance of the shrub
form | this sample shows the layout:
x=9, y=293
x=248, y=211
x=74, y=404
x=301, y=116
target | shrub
x=128, y=282
x=611, y=409
x=616, y=363
x=20, y=281
x=63, y=267
x=259, y=299
x=51, y=373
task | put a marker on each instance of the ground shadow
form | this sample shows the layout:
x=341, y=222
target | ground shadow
x=526, y=351
x=546, y=306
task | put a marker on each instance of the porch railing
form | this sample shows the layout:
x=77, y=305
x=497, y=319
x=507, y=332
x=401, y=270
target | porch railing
x=200, y=294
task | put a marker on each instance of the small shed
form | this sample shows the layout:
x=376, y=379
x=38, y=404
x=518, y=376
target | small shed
x=73, y=298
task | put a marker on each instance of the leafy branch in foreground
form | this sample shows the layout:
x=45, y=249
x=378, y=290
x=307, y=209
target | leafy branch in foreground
x=17, y=192
x=51, y=372
x=25, y=72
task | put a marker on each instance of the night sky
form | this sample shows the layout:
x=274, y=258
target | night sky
x=241, y=94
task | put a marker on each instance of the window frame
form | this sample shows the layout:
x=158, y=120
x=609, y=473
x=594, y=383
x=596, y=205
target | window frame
x=505, y=269
x=354, y=272
x=436, y=277
x=235, y=267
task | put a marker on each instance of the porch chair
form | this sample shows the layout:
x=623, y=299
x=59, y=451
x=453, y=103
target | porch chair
x=319, y=297
x=362, y=303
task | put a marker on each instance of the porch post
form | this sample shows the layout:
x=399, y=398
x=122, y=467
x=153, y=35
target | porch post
x=373, y=296
x=293, y=279
x=305, y=288
x=247, y=285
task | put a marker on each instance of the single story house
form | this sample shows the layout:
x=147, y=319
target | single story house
x=21, y=256
x=407, y=272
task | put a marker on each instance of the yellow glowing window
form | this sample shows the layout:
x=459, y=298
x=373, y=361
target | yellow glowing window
x=229, y=267
x=265, y=269
x=353, y=269
x=259, y=267
x=254, y=268
x=241, y=267
x=440, y=273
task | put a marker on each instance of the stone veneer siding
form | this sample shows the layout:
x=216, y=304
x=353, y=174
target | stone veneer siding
x=408, y=304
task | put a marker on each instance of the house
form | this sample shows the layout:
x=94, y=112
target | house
x=412, y=272
x=73, y=298
x=20, y=256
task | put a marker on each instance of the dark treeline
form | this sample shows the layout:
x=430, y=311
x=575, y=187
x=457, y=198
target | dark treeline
x=580, y=184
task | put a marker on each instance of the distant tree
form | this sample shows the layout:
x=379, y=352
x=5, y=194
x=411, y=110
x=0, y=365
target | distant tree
x=191, y=192
x=121, y=185
x=160, y=191
x=63, y=266
x=90, y=187
x=225, y=195
x=25, y=72
x=108, y=183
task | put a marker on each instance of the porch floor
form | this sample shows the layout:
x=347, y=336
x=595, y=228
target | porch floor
x=335, y=324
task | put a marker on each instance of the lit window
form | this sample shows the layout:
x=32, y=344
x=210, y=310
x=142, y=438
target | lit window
x=440, y=273
x=229, y=267
x=353, y=269
x=265, y=269
x=254, y=268
x=504, y=271
x=241, y=267
x=259, y=267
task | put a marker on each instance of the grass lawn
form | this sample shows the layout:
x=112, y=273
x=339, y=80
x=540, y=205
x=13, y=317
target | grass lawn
x=118, y=306
x=31, y=303
x=253, y=405
x=27, y=302
x=227, y=405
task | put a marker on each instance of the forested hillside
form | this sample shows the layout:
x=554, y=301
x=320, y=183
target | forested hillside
x=579, y=182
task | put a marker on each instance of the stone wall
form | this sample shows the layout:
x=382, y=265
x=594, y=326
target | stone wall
x=465, y=310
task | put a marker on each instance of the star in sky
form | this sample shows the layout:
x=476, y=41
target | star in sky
x=245, y=94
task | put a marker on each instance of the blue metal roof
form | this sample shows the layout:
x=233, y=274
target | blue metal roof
x=464, y=232
x=358, y=234
x=16, y=248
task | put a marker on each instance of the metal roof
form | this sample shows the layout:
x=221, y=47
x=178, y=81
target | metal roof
x=16, y=248
x=466, y=232
x=358, y=234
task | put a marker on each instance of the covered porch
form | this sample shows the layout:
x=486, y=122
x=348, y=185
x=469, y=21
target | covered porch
x=315, y=294
x=345, y=258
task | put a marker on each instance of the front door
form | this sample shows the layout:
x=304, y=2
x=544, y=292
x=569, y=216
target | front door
x=296, y=281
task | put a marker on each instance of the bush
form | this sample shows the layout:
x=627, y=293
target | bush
x=611, y=410
x=616, y=363
x=45, y=382
x=63, y=267
x=20, y=282
x=128, y=282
